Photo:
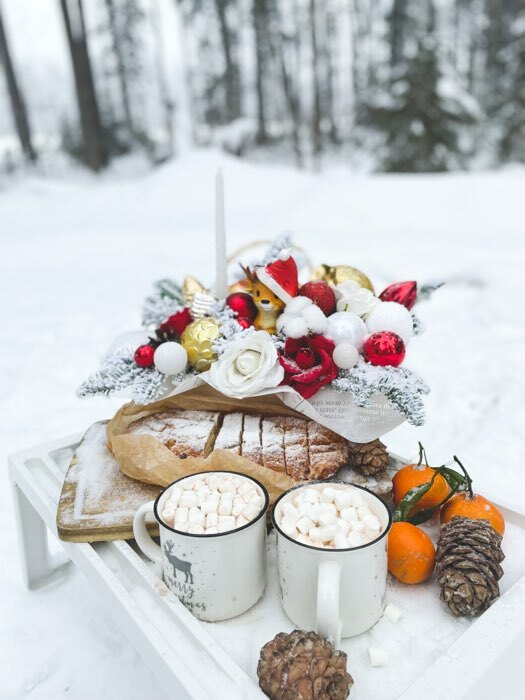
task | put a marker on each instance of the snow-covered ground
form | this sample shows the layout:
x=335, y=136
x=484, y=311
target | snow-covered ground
x=77, y=258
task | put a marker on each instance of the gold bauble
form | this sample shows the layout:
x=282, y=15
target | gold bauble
x=198, y=339
x=337, y=274
x=190, y=287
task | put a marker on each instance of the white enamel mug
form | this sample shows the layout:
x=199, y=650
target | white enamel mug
x=336, y=592
x=216, y=576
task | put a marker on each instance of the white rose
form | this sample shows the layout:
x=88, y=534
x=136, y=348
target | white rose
x=352, y=297
x=247, y=366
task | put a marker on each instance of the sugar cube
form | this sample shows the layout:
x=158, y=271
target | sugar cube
x=378, y=657
x=392, y=612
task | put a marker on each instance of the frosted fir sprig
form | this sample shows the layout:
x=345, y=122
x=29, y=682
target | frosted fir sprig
x=230, y=331
x=166, y=299
x=119, y=371
x=427, y=290
x=402, y=387
x=418, y=325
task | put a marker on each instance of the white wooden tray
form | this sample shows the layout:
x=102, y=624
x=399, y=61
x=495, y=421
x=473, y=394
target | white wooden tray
x=432, y=655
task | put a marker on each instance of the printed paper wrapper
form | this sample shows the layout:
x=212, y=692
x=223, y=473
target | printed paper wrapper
x=145, y=458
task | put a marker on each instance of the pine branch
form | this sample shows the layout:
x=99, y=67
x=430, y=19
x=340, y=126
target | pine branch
x=166, y=299
x=402, y=387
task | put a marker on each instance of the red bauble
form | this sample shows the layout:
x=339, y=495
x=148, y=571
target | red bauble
x=404, y=293
x=384, y=348
x=144, y=355
x=244, y=307
x=178, y=322
x=321, y=294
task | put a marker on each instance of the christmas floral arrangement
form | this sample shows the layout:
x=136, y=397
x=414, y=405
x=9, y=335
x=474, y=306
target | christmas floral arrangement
x=331, y=339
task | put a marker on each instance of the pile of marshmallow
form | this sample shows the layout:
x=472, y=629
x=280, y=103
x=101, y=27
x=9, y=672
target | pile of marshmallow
x=333, y=517
x=210, y=503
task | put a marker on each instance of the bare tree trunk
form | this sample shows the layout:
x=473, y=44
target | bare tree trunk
x=397, y=19
x=96, y=156
x=231, y=76
x=121, y=69
x=316, y=110
x=18, y=106
x=260, y=25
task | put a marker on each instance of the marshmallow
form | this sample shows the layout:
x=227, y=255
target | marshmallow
x=328, y=532
x=212, y=520
x=315, y=535
x=238, y=506
x=343, y=499
x=340, y=540
x=211, y=530
x=372, y=526
x=198, y=484
x=246, y=486
x=349, y=514
x=288, y=526
x=290, y=510
x=175, y=495
x=214, y=481
x=248, y=495
x=363, y=511
x=343, y=526
x=378, y=657
x=354, y=539
x=357, y=498
x=303, y=539
x=251, y=511
x=357, y=526
x=181, y=515
x=227, y=486
x=304, y=508
x=196, y=516
x=326, y=518
x=168, y=516
x=209, y=506
x=241, y=520
x=225, y=506
x=189, y=499
x=392, y=612
x=304, y=525
x=196, y=529
x=226, y=522
x=187, y=485
x=327, y=495
x=310, y=495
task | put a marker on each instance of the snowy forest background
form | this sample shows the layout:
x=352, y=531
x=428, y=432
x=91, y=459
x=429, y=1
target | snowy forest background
x=388, y=85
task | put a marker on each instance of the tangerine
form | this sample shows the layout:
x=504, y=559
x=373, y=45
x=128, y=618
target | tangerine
x=473, y=506
x=414, y=475
x=411, y=554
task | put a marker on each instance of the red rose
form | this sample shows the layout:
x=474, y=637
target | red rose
x=308, y=364
x=178, y=322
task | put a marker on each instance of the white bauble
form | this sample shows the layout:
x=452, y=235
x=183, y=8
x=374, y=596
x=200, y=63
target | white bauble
x=346, y=327
x=391, y=316
x=346, y=355
x=170, y=358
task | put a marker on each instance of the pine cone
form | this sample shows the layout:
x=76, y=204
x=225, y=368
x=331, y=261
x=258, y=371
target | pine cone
x=369, y=458
x=468, y=567
x=303, y=666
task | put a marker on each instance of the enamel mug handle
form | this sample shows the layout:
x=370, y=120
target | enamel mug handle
x=150, y=548
x=328, y=597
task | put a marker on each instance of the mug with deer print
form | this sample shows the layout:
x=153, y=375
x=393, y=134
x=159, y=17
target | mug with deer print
x=212, y=541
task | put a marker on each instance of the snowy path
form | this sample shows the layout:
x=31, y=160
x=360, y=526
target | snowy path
x=78, y=258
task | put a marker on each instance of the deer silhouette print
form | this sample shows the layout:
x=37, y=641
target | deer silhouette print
x=178, y=564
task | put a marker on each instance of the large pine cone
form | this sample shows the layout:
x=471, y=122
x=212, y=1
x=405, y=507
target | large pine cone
x=468, y=567
x=303, y=666
x=369, y=458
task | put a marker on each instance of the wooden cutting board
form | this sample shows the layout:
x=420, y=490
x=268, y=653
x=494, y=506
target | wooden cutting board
x=98, y=501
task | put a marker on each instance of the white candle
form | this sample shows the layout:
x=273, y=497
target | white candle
x=221, y=266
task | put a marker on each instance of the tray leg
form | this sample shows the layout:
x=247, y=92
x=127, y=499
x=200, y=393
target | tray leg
x=39, y=566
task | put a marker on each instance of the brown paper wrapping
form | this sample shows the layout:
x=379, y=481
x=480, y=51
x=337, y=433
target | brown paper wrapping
x=145, y=458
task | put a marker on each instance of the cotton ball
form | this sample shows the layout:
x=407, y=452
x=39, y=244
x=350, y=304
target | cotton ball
x=297, y=305
x=346, y=355
x=391, y=316
x=295, y=327
x=346, y=327
x=170, y=358
x=315, y=318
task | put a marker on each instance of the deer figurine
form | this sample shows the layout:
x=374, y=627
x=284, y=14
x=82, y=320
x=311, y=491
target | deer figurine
x=178, y=564
x=272, y=287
